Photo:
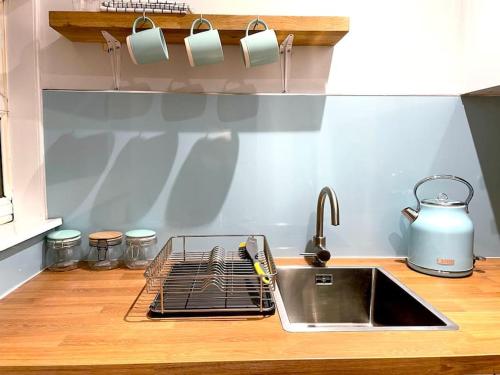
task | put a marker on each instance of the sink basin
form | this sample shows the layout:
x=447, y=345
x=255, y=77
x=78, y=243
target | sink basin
x=351, y=299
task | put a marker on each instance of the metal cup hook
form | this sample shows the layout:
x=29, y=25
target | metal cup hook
x=256, y=23
x=144, y=13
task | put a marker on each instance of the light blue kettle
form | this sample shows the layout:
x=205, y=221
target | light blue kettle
x=441, y=233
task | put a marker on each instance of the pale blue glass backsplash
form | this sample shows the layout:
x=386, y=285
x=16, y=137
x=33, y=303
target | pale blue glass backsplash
x=221, y=164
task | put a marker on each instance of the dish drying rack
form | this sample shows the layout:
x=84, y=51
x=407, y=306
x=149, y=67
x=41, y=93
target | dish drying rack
x=210, y=276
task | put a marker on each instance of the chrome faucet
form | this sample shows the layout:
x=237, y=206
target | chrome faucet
x=320, y=255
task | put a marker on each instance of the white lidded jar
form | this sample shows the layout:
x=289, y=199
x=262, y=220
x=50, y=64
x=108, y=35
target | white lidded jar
x=141, y=248
x=63, y=249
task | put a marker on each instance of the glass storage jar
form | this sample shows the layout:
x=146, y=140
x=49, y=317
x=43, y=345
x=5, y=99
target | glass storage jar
x=63, y=249
x=141, y=248
x=105, y=250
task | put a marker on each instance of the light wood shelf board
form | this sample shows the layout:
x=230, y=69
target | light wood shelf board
x=308, y=30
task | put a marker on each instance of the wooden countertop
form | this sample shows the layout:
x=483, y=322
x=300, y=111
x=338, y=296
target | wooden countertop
x=82, y=321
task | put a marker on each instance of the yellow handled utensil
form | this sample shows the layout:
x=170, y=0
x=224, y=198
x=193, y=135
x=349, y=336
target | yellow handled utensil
x=251, y=249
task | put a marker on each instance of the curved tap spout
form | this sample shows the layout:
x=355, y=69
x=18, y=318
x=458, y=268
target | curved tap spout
x=320, y=211
x=320, y=254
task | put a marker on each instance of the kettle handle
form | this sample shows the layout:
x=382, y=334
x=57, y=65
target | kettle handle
x=444, y=177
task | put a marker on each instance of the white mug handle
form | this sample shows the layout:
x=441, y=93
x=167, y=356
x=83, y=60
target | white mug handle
x=198, y=22
x=257, y=22
x=144, y=19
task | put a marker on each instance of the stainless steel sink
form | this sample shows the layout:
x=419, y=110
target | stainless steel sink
x=351, y=299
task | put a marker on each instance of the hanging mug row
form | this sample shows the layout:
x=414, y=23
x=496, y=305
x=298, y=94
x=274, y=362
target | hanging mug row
x=203, y=48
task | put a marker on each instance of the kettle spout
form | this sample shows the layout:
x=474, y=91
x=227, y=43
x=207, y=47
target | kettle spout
x=410, y=214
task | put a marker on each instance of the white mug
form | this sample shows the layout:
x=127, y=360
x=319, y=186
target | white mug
x=204, y=47
x=259, y=48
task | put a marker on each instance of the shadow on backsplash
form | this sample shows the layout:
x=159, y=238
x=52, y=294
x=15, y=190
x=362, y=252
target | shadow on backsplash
x=228, y=110
x=399, y=240
x=203, y=182
x=177, y=108
x=115, y=160
x=84, y=161
x=135, y=179
x=183, y=112
x=483, y=115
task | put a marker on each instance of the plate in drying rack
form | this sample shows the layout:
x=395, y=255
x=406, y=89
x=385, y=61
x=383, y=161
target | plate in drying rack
x=210, y=276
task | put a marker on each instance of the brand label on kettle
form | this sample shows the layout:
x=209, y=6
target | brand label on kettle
x=445, y=261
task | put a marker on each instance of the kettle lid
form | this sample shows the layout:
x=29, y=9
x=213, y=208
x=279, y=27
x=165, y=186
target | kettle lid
x=442, y=200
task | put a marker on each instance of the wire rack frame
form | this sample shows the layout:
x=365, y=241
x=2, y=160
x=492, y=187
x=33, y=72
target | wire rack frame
x=195, y=273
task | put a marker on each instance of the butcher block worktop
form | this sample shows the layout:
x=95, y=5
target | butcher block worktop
x=91, y=322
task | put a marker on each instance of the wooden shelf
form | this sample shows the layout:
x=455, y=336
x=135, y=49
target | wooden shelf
x=308, y=31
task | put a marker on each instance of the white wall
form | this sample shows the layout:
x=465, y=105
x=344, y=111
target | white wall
x=481, y=44
x=393, y=47
x=24, y=119
x=3, y=60
x=20, y=263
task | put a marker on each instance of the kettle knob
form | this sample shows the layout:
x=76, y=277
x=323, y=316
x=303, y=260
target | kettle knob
x=442, y=197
